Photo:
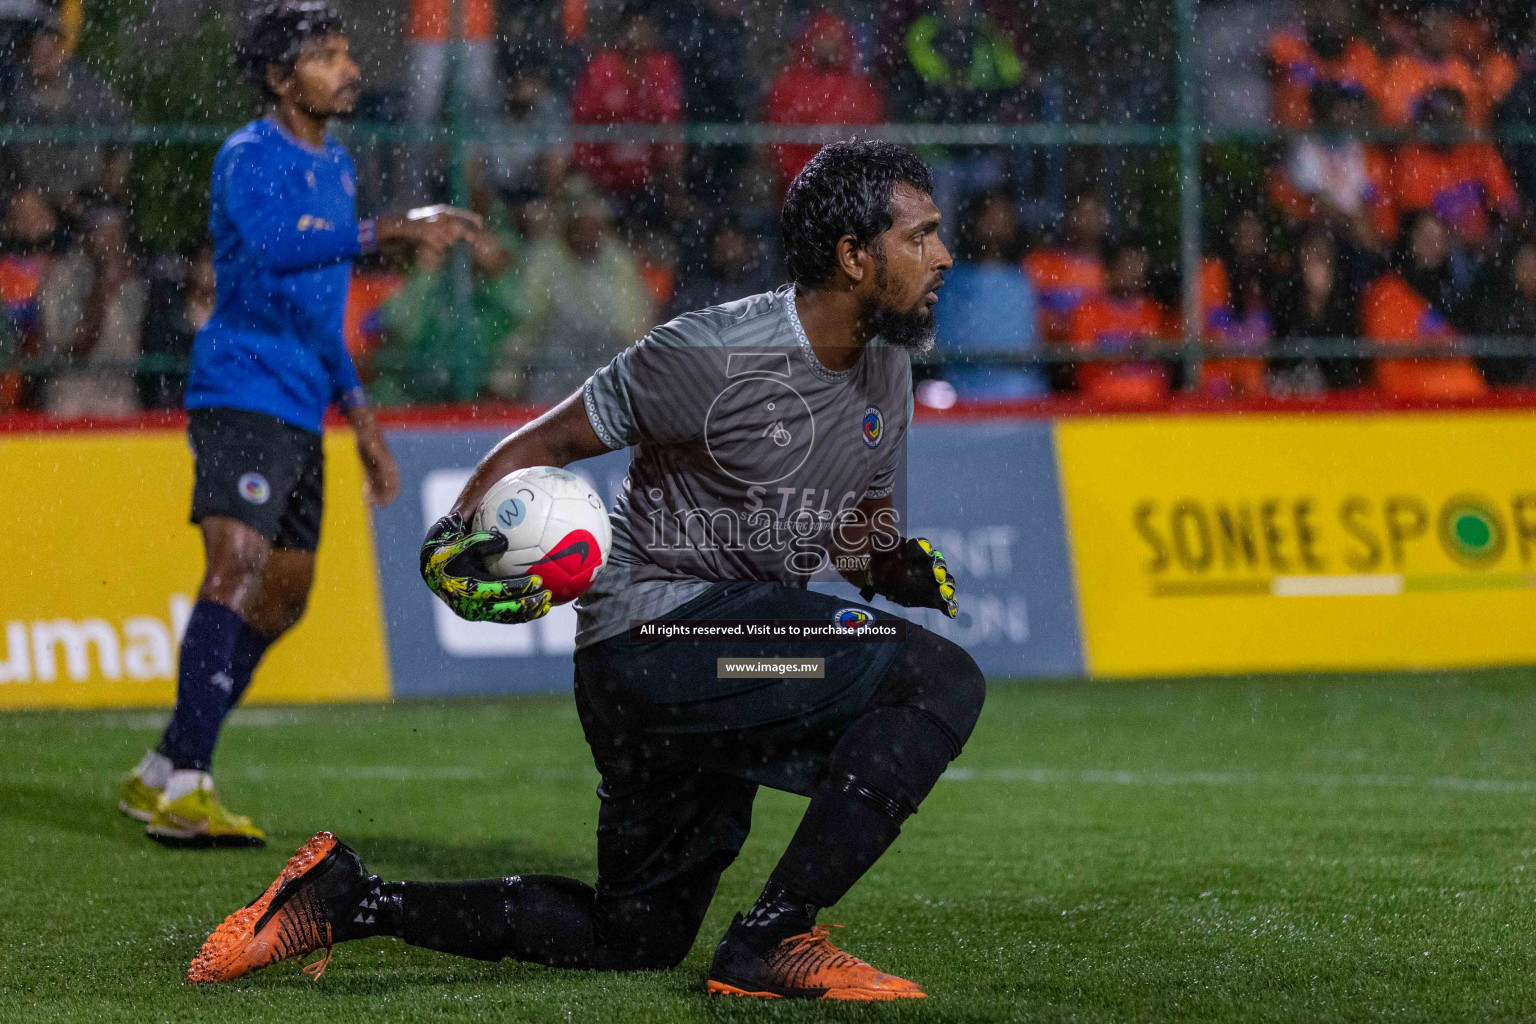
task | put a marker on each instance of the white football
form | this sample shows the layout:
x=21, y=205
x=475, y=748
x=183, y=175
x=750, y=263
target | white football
x=555, y=525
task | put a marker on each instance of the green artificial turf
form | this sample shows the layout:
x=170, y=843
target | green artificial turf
x=1319, y=849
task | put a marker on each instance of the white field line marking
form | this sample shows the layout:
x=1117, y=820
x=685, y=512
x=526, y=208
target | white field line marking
x=414, y=773
x=1016, y=774
x=146, y=721
x=357, y=773
x=1336, y=586
x=1092, y=776
x=368, y=773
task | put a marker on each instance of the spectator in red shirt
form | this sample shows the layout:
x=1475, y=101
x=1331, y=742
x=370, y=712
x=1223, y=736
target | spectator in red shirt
x=820, y=86
x=1436, y=61
x=633, y=82
x=1411, y=305
x=1117, y=322
x=1465, y=183
x=1324, y=49
x=1071, y=272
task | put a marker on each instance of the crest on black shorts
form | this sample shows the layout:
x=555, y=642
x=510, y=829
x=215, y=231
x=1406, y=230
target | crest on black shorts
x=851, y=618
x=254, y=488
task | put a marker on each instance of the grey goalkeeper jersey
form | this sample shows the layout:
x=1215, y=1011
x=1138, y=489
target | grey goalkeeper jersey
x=746, y=448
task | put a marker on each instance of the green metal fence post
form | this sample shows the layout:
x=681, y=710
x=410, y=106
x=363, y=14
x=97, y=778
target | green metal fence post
x=1189, y=187
x=462, y=357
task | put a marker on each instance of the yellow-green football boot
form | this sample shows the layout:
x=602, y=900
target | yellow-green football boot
x=198, y=819
x=138, y=799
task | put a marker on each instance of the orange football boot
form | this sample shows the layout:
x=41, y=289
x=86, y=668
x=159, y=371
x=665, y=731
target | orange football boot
x=803, y=966
x=319, y=886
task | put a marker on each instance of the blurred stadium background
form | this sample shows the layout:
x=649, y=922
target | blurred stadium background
x=1235, y=375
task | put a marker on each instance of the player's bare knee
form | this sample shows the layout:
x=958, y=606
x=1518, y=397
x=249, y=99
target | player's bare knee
x=233, y=581
x=288, y=609
x=292, y=611
x=273, y=618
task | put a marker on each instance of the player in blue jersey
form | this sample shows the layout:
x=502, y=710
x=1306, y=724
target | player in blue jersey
x=265, y=369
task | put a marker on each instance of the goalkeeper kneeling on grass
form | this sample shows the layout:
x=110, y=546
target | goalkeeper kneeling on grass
x=803, y=392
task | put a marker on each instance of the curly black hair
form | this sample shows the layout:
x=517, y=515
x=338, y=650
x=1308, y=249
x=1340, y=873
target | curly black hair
x=275, y=33
x=844, y=190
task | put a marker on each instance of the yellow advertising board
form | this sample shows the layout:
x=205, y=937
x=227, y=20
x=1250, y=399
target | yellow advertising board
x=1208, y=544
x=101, y=568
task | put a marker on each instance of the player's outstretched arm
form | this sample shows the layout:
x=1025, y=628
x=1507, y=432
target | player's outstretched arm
x=559, y=437
x=432, y=226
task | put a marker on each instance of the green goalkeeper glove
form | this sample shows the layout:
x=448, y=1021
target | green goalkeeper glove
x=914, y=575
x=453, y=564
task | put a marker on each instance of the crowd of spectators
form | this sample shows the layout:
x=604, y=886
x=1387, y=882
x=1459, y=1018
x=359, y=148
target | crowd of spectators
x=1392, y=208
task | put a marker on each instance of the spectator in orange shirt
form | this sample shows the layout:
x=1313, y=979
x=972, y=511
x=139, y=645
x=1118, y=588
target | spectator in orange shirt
x=1070, y=273
x=1436, y=61
x=633, y=82
x=1465, y=183
x=429, y=34
x=1333, y=178
x=1411, y=306
x=1235, y=302
x=30, y=231
x=1324, y=49
x=1118, y=322
x=1494, y=68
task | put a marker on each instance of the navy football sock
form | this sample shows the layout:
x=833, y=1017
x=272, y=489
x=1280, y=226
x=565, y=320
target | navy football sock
x=250, y=646
x=204, y=686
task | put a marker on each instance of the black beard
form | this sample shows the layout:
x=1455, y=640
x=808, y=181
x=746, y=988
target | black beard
x=911, y=329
